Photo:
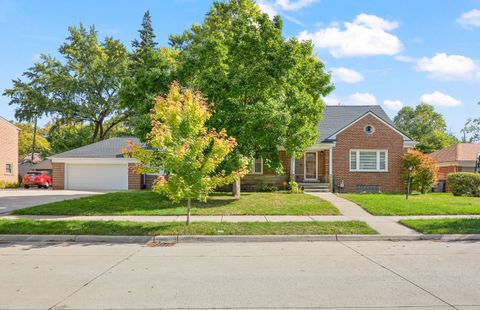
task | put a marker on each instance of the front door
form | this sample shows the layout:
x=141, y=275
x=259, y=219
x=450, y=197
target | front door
x=311, y=166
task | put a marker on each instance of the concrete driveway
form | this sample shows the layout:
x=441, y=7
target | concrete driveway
x=303, y=275
x=22, y=198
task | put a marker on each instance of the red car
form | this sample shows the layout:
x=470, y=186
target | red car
x=37, y=178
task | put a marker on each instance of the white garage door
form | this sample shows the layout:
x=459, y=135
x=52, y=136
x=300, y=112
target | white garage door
x=96, y=176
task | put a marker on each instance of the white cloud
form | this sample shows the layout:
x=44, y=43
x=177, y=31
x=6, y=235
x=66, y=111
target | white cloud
x=448, y=67
x=403, y=58
x=289, y=5
x=267, y=8
x=273, y=8
x=362, y=99
x=367, y=35
x=470, y=19
x=394, y=105
x=346, y=75
x=440, y=99
x=331, y=100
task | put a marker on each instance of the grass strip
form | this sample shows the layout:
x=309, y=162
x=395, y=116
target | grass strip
x=127, y=228
x=444, y=226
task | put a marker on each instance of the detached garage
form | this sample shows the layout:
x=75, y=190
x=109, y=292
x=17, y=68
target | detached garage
x=98, y=166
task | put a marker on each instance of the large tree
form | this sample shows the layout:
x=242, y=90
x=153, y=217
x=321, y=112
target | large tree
x=150, y=73
x=425, y=126
x=81, y=88
x=266, y=89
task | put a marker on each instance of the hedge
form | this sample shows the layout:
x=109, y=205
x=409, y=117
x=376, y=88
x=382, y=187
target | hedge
x=464, y=183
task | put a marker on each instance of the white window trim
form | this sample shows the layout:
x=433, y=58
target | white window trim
x=252, y=166
x=357, y=151
x=305, y=166
x=11, y=165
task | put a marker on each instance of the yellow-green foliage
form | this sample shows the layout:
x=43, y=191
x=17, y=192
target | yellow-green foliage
x=185, y=148
x=9, y=184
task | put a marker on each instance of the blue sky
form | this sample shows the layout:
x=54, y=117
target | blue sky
x=392, y=53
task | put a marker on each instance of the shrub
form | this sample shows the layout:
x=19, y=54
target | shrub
x=11, y=185
x=425, y=169
x=294, y=188
x=464, y=183
x=269, y=188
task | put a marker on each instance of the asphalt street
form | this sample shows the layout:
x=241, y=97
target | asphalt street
x=369, y=274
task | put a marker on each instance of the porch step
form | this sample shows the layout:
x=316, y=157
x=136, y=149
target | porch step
x=315, y=187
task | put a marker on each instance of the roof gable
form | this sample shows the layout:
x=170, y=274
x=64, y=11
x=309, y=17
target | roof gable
x=338, y=118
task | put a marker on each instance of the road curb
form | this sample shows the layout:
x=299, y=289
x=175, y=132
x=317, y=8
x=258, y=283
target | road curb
x=225, y=239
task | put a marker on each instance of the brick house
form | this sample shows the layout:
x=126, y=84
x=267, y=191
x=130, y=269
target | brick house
x=461, y=157
x=358, y=149
x=8, y=152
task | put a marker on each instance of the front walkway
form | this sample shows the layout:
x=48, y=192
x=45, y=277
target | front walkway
x=349, y=209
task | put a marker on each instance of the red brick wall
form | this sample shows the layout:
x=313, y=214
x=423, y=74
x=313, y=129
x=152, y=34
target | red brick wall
x=134, y=179
x=354, y=137
x=58, y=175
x=8, y=152
x=444, y=171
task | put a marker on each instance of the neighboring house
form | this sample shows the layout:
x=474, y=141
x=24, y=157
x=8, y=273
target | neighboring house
x=39, y=164
x=8, y=152
x=359, y=149
x=98, y=166
x=461, y=157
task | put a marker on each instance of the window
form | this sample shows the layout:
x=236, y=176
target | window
x=257, y=166
x=368, y=160
x=369, y=129
x=8, y=168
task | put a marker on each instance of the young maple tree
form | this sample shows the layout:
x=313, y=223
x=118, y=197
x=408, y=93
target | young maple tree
x=424, y=170
x=182, y=145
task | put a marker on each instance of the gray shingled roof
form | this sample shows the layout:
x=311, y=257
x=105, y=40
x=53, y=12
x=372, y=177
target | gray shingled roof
x=110, y=148
x=336, y=117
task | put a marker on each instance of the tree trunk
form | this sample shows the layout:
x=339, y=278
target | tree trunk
x=34, y=138
x=189, y=204
x=95, y=133
x=236, y=188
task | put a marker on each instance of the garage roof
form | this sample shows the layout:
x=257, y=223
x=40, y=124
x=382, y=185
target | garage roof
x=110, y=148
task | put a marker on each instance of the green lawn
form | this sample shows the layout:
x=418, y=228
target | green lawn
x=150, y=203
x=427, y=204
x=174, y=228
x=445, y=226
